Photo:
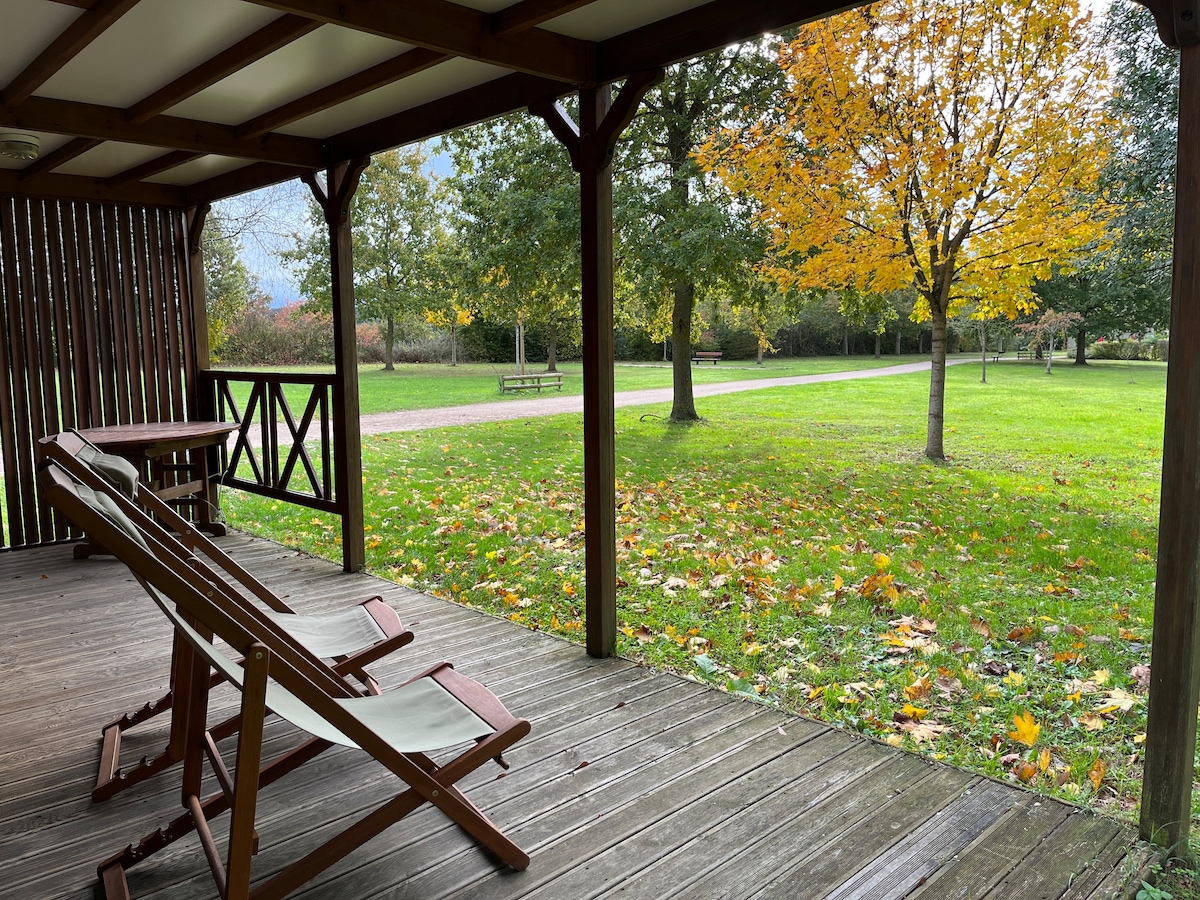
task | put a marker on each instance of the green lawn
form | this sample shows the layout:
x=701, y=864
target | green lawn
x=425, y=386
x=796, y=546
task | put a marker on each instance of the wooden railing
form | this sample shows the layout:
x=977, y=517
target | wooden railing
x=273, y=452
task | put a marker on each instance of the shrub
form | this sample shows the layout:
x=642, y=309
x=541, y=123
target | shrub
x=736, y=343
x=289, y=335
x=1128, y=348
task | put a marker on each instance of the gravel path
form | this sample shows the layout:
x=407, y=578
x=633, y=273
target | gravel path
x=552, y=404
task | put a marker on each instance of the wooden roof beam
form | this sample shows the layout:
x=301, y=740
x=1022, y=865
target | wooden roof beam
x=457, y=30
x=266, y=40
x=239, y=181
x=485, y=101
x=109, y=124
x=531, y=13
x=698, y=30
x=153, y=167
x=76, y=187
x=408, y=63
x=89, y=26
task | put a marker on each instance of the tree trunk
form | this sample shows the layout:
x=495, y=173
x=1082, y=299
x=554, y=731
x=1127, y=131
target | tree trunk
x=897, y=339
x=934, y=448
x=683, y=405
x=878, y=345
x=758, y=361
x=552, y=347
x=389, y=343
x=1081, y=346
x=454, y=345
x=1050, y=354
x=983, y=350
x=845, y=340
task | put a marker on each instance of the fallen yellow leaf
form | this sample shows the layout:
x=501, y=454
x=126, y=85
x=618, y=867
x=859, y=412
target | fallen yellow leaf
x=1027, y=729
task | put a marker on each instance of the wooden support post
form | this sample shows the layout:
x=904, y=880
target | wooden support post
x=194, y=219
x=599, y=464
x=334, y=197
x=591, y=148
x=1175, y=671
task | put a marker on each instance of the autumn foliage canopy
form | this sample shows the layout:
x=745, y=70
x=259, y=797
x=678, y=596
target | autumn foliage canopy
x=949, y=146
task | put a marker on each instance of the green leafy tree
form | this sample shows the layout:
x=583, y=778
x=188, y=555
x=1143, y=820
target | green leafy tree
x=397, y=220
x=517, y=211
x=681, y=235
x=1142, y=175
x=1110, y=299
x=229, y=286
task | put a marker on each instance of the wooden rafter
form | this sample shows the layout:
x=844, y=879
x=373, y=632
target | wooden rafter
x=153, y=167
x=89, y=26
x=698, y=30
x=531, y=13
x=492, y=98
x=109, y=123
x=457, y=30
x=63, y=154
x=271, y=37
x=239, y=181
x=409, y=63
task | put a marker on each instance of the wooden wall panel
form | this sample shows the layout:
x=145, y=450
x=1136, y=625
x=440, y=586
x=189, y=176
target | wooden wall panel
x=94, y=326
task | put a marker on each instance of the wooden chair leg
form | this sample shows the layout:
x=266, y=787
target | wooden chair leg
x=242, y=841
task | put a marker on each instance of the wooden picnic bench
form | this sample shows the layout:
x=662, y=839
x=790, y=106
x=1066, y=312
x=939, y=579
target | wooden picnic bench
x=534, y=381
x=712, y=356
x=1030, y=353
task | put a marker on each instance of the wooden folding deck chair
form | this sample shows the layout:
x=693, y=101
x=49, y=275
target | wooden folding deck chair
x=440, y=709
x=353, y=638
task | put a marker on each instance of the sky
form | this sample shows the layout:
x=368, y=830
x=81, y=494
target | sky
x=273, y=216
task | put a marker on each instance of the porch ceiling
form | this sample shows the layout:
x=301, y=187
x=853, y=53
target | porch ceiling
x=179, y=102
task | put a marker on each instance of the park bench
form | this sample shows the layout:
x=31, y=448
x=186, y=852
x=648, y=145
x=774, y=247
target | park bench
x=534, y=381
x=997, y=355
x=712, y=356
x=1030, y=353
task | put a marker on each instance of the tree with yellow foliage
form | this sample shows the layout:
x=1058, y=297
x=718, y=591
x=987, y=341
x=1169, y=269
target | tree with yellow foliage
x=947, y=145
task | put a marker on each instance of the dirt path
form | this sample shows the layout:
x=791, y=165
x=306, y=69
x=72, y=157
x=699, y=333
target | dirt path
x=549, y=405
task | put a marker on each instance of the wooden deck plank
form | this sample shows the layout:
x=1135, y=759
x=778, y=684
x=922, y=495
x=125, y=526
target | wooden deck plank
x=829, y=864
x=1047, y=870
x=686, y=792
x=922, y=850
x=996, y=851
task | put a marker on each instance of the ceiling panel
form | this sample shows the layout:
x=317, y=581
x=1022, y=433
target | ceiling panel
x=108, y=159
x=606, y=18
x=327, y=55
x=26, y=30
x=198, y=170
x=438, y=81
x=151, y=46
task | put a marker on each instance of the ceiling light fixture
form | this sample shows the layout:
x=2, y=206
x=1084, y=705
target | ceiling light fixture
x=17, y=145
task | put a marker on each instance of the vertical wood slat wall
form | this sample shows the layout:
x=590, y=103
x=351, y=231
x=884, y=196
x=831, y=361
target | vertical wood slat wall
x=95, y=322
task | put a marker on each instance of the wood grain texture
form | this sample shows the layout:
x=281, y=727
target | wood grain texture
x=632, y=783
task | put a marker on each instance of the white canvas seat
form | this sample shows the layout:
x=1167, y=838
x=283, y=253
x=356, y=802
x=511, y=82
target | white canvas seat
x=352, y=637
x=440, y=709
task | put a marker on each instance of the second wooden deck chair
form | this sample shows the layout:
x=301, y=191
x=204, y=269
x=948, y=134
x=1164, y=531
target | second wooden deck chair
x=438, y=710
x=353, y=638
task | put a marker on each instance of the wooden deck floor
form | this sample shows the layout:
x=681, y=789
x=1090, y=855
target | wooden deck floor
x=633, y=783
